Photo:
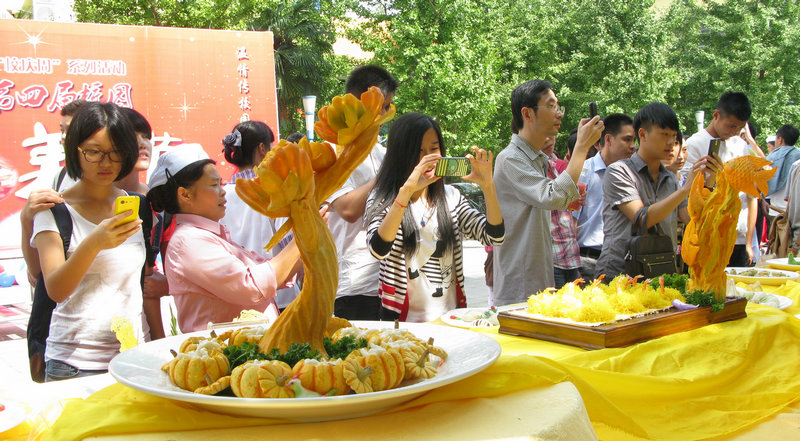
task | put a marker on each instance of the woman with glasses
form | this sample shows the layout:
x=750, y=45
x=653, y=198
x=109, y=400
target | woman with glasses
x=99, y=278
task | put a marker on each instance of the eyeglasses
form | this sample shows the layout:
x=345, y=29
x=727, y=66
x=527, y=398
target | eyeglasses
x=98, y=156
x=555, y=108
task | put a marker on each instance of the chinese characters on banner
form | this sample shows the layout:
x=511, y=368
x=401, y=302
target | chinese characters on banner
x=244, y=85
x=181, y=80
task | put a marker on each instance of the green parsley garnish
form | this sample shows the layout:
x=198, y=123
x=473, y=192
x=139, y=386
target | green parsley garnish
x=677, y=281
x=704, y=298
x=240, y=354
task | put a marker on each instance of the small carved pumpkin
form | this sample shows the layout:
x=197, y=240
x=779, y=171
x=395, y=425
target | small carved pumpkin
x=418, y=365
x=262, y=379
x=249, y=334
x=198, y=368
x=322, y=377
x=388, y=368
x=358, y=377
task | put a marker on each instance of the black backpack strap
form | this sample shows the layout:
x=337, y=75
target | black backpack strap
x=61, y=175
x=64, y=224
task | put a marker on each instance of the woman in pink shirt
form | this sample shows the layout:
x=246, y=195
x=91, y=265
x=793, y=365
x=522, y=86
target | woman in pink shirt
x=212, y=278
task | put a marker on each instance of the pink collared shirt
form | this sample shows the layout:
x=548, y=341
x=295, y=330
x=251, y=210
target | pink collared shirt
x=212, y=278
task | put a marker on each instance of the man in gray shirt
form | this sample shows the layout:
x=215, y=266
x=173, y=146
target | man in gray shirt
x=641, y=182
x=523, y=265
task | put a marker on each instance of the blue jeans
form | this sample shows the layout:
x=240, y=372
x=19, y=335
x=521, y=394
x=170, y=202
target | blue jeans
x=55, y=370
x=564, y=276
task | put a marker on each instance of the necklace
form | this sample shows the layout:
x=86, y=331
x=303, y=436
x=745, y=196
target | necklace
x=426, y=217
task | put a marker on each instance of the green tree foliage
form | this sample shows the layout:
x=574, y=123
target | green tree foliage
x=458, y=60
x=302, y=37
x=747, y=46
x=448, y=62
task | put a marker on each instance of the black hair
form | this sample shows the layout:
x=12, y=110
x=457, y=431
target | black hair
x=572, y=140
x=139, y=122
x=735, y=104
x=526, y=94
x=789, y=133
x=402, y=155
x=165, y=197
x=72, y=107
x=655, y=114
x=364, y=77
x=90, y=118
x=295, y=137
x=252, y=133
x=613, y=125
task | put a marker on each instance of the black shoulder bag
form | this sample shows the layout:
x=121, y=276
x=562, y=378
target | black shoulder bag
x=42, y=306
x=650, y=252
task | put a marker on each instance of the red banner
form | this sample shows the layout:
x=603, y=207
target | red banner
x=193, y=86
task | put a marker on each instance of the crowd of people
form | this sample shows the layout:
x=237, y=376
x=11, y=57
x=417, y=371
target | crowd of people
x=398, y=228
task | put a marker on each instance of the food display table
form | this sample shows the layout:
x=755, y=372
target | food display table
x=735, y=380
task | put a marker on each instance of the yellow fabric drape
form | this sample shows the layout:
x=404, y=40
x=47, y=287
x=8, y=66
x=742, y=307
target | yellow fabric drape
x=706, y=383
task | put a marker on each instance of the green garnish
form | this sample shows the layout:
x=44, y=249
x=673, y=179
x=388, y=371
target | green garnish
x=704, y=298
x=240, y=354
x=792, y=260
x=677, y=281
x=343, y=347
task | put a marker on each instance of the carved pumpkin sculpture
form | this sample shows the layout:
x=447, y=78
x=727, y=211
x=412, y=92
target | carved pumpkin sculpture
x=711, y=234
x=292, y=181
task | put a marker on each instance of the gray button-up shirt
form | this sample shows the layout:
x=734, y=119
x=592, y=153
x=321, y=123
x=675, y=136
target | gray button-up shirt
x=523, y=265
x=629, y=180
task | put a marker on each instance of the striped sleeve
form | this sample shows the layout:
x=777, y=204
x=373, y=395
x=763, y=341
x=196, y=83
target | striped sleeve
x=473, y=224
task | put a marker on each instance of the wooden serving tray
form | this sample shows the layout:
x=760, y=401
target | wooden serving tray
x=623, y=333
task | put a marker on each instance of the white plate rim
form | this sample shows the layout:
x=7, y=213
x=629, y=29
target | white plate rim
x=488, y=347
x=786, y=275
x=783, y=262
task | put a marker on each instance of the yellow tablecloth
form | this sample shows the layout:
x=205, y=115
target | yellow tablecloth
x=710, y=383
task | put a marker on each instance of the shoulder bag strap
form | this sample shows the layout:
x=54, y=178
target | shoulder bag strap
x=64, y=224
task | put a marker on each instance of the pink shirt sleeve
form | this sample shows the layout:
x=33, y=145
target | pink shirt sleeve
x=211, y=264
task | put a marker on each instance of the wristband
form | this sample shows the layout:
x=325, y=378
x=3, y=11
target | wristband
x=398, y=203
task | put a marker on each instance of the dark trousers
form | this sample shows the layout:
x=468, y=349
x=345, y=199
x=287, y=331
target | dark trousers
x=564, y=276
x=357, y=307
x=739, y=256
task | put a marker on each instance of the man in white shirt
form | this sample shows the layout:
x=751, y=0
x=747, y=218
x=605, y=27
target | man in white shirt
x=730, y=118
x=357, y=294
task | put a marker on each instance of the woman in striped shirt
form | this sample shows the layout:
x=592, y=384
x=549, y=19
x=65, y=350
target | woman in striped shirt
x=415, y=223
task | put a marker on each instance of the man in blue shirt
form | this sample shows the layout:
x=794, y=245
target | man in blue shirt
x=617, y=142
x=784, y=155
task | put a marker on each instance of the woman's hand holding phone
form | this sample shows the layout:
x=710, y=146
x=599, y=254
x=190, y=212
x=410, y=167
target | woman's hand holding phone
x=110, y=233
x=422, y=175
x=481, y=167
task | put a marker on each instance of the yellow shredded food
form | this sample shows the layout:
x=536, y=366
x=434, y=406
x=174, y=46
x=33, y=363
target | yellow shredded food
x=600, y=303
x=249, y=314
